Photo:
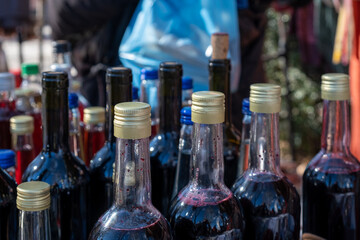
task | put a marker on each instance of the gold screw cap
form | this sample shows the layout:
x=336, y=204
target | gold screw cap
x=22, y=124
x=265, y=98
x=208, y=107
x=94, y=115
x=335, y=86
x=33, y=196
x=132, y=120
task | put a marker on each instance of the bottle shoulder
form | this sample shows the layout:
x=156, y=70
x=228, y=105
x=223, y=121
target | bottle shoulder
x=164, y=146
x=104, y=158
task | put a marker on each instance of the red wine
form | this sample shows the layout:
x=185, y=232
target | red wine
x=331, y=201
x=93, y=142
x=204, y=214
x=7, y=110
x=23, y=159
x=271, y=207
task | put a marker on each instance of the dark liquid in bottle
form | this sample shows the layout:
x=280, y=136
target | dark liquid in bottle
x=23, y=159
x=7, y=110
x=182, y=173
x=231, y=162
x=8, y=213
x=197, y=217
x=37, y=135
x=331, y=202
x=271, y=207
x=93, y=142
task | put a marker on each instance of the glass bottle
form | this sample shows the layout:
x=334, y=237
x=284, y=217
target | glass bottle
x=33, y=202
x=132, y=215
x=206, y=208
x=149, y=89
x=22, y=128
x=118, y=89
x=164, y=146
x=182, y=176
x=219, y=80
x=7, y=161
x=76, y=138
x=271, y=203
x=56, y=165
x=331, y=182
x=245, y=138
x=94, y=131
x=135, y=94
x=7, y=108
x=187, y=91
x=30, y=77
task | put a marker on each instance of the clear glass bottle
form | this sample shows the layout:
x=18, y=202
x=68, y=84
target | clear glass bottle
x=164, y=147
x=245, y=138
x=56, y=165
x=33, y=202
x=135, y=94
x=331, y=182
x=75, y=132
x=271, y=203
x=132, y=215
x=22, y=128
x=182, y=176
x=149, y=89
x=94, y=131
x=7, y=161
x=187, y=91
x=30, y=77
x=206, y=208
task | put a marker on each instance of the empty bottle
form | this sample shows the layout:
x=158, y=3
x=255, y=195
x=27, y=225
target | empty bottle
x=31, y=78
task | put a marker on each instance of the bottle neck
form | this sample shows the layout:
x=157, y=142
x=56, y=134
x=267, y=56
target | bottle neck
x=207, y=164
x=62, y=58
x=132, y=185
x=74, y=118
x=335, y=135
x=264, y=143
x=55, y=119
x=22, y=141
x=34, y=225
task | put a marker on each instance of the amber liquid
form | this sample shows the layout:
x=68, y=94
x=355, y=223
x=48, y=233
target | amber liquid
x=93, y=142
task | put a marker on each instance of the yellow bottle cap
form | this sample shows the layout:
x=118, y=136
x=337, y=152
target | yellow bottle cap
x=335, y=86
x=265, y=98
x=22, y=124
x=132, y=120
x=33, y=196
x=208, y=107
x=93, y=115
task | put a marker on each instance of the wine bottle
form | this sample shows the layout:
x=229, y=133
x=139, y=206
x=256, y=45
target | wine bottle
x=118, y=85
x=132, y=215
x=57, y=166
x=33, y=202
x=331, y=182
x=182, y=176
x=75, y=127
x=22, y=128
x=245, y=138
x=219, y=80
x=164, y=146
x=271, y=203
x=187, y=91
x=206, y=208
x=94, y=131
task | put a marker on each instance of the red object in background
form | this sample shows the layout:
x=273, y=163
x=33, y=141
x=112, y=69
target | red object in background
x=23, y=159
x=18, y=78
x=93, y=141
x=7, y=110
x=37, y=135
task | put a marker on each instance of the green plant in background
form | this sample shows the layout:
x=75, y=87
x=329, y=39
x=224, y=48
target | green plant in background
x=304, y=90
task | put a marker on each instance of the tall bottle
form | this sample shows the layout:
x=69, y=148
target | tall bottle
x=245, y=138
x=132, y=215
x=219, y=80
x=75, y=130
x=331, y=182
x=22, y=128
x=56, y=165
x=206, y=208
x=118, y=89
x=271, y=203
x=33, y=202
x=7, y=161
x=94, y=131
x=8, y=223
x=182, y=176
x=164, y=146
x=187, y=91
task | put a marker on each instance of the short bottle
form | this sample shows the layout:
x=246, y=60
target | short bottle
x=94, y=131
x=187, y=91
x=149, y=93
x=182, y=175
x=271, y=203
x=206, y=208
x=331, y=190
x=31, y=78
x=75, y=128
x=132, y=215
x=33, y=202
x=245, y=138
x=7, y=161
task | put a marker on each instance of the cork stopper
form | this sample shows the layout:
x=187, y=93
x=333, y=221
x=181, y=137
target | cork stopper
x=33, y=196
x=22, y=124
x=94, y=115
x=208, y=107
x=132, y=120
x=335, y=86
x=220, y=45
x=265, y=98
